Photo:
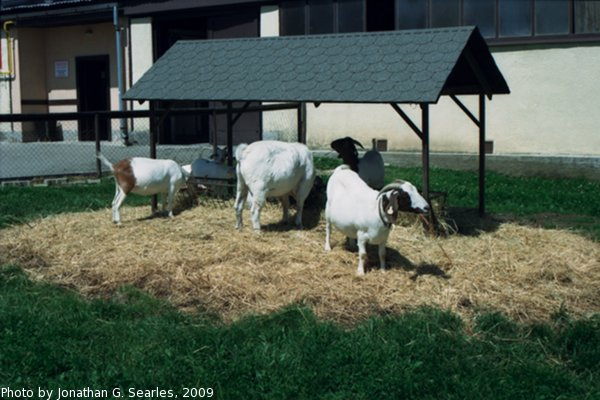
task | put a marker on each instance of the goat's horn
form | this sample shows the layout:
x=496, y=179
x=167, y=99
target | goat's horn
x=358, y=143
x=397, y=184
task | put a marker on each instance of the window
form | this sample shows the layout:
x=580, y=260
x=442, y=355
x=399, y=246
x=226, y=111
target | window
x=411, y=14
x=380, y=15
x=351, y=15
x=320, y=16
x=292, y=18
x=481, y=13
x=501, y=21
x=445, y=13
x=515, y=17
x=551, y=17
x=587, y=16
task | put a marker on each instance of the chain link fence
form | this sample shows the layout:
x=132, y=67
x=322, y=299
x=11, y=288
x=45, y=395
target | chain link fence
x=62, y=147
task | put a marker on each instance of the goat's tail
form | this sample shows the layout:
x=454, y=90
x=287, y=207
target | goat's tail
x=101, y=157
x=239, y=151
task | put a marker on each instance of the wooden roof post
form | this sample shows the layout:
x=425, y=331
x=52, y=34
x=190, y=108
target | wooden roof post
x=481, y=154
x=229, y=133
x=425, y=148
x=302, y=123
x=153, y=136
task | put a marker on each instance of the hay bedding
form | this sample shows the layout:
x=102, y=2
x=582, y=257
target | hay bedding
x=198, y=259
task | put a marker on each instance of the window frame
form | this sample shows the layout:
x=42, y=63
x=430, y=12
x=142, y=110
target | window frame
x=496, y=40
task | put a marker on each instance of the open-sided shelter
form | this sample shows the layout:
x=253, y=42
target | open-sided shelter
x=396, y=67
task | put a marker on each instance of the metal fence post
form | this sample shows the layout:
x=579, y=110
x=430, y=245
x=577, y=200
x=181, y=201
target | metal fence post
x=97, y=139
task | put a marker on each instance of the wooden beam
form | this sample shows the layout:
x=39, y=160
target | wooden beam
x=465, y=110
x=240, y=112
x=481, y=154
x=229, y=134
x=425, y=149
x=153, y=135
x=407, y=119
x=301, y=123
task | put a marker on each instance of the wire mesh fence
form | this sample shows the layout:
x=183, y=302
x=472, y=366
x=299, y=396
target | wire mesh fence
x=63, y=146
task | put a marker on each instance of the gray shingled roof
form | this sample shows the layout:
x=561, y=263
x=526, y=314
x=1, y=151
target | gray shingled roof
x=415, y=66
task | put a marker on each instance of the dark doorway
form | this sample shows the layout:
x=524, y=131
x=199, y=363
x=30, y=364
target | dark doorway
x=182, y=129
x=247, y=128
x=93, y=94
x=193, y=26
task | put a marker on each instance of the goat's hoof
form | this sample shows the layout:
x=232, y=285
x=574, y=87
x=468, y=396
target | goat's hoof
x=327, y=247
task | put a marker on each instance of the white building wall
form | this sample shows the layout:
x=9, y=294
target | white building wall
x=141, y=59
x=553, y=109
x=141, y=51
x=554, y=105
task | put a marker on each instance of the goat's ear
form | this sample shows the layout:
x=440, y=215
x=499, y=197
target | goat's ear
x=389, y=206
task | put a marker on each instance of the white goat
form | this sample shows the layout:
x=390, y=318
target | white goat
x=370, y=166
x=271, y=168
x=144, y=176
x=362, y=213
x=216, y=168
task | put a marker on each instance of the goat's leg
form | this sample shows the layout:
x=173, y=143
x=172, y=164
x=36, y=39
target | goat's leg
x=173, y=190
x=170, y=198
x=163, y=202
x=116, y=204
x=302, y=193
x=240, y=198
x=327, y=234
x=362, y=254
x=382, y=264
x=257, y=204
x=285, y=204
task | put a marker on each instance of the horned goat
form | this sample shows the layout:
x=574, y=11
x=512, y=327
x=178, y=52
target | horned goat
x=369, y=167
x=144, y=176
x=367, y=215
x=271, y=168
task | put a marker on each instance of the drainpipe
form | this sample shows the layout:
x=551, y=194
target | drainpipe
x=122, y=121
x=9, y=73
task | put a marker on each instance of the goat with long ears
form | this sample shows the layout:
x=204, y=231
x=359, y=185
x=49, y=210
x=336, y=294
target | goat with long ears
x=364, y=214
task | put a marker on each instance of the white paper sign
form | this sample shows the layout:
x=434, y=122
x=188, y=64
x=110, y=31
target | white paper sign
x=61, y=69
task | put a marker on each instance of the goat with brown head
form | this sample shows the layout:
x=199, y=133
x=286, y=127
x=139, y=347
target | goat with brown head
x=400, y=196
x=364, y=214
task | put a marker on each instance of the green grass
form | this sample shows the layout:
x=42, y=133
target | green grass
x=23, y=204
x=51, y=337
x=552, y=203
